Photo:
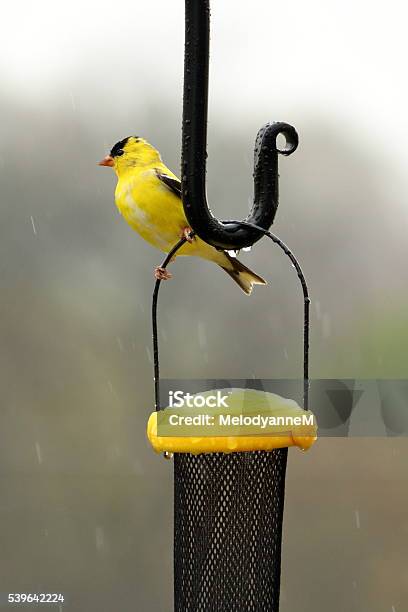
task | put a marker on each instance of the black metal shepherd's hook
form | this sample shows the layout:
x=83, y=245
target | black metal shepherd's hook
x=230, y=235
x=227, y=234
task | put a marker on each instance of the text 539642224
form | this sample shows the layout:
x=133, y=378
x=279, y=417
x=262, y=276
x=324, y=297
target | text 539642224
x=35, y=598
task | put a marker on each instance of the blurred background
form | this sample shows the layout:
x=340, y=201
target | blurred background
x=85, y=505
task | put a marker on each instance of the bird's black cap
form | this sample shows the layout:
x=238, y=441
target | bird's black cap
x=117, y=149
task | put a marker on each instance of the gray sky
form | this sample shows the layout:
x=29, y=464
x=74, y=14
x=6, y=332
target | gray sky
x=344, y=57
x=341, y=63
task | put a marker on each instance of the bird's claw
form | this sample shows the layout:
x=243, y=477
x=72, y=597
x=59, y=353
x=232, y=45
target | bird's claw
x=186, y=234
x=162, y=274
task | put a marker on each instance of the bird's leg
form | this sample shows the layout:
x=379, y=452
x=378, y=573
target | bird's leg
x=162, y=273
x=186, y=234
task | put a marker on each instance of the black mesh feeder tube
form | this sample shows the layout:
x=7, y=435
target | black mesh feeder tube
x=228, y=507
x=228, y=511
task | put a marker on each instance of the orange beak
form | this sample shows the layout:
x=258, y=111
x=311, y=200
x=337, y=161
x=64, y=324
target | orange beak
x=106, y=161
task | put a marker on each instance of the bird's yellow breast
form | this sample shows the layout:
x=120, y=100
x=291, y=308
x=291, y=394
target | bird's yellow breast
x=150, y=207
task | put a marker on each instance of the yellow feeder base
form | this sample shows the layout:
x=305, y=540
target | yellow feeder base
x=303, y=436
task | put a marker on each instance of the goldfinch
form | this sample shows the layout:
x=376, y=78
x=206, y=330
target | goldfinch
x=148, y=195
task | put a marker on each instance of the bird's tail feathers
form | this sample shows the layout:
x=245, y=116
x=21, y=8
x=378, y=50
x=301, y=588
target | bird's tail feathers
x=242, y=275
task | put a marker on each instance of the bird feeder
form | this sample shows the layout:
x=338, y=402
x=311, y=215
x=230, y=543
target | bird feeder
x=228, y=493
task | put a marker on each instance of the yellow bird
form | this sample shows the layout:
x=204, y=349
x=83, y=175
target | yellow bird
x=148, y=195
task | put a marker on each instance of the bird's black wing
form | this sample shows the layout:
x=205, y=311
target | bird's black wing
x=172, y=183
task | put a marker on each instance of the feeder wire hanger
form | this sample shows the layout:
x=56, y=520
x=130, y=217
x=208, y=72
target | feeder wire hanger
x=225, y=235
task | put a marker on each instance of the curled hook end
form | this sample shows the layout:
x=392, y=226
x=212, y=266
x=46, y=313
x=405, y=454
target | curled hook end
x=291, y=138
x=267, y=140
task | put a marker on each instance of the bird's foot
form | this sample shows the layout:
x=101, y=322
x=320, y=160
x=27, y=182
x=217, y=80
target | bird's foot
x=162, y=274
x=186, y=234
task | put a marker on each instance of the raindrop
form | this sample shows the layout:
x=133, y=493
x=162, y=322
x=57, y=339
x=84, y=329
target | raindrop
x=38, y=451
x=99, y=538
x=318, y=309
x=326, y=325
x=71, y=95
x=357, y=514
x=120, y=345
x=33, y=225
x=149, y=355
x=202, y=338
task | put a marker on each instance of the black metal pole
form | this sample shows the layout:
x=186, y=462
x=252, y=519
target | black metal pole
x=228, y=234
